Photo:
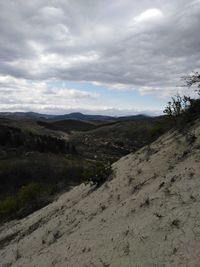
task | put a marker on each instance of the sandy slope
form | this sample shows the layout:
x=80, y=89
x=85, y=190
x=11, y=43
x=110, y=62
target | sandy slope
x=148, y=215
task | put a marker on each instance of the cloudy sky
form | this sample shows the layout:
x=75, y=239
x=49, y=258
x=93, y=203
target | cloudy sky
x=96, y=56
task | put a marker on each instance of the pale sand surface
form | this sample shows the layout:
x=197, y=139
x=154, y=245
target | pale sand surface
x=148, y=215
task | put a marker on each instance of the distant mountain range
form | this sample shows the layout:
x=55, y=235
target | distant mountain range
x=71, y=116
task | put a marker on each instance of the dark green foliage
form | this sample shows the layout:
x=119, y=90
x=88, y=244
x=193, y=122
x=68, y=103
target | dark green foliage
x=157, y=129
x=194, y=110
x=28, y=198
x=7, y=207
x=30, y=185
x=187, y=118
x=29, y=182
x=68, y=125
x=97, y=174
x=181, y=105
x=48, y=169
x=110, y=142
x=29, y=194
x=27, y=141
x=183, y=111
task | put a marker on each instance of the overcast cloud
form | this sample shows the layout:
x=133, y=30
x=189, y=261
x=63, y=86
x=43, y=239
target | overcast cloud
x=144, y=46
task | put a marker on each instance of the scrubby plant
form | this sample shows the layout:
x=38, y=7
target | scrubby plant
x=156, y=130
x=29, y=194
x=28, y=198
x=178, y=105
x=193, y=80
x=97, y=174
x=184, y=109
x=7, y=207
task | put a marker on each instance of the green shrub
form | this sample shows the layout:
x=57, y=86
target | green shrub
x=29, y=194
x=45, y=169
x=28, y=198
x=97, y=174
x=7, y=207
x=156, y=130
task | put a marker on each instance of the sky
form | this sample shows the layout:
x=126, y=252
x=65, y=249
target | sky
x=116, y=57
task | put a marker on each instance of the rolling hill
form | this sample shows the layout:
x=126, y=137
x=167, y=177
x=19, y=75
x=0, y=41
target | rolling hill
x=71, y=116
x=68, y=125
x=147, y=214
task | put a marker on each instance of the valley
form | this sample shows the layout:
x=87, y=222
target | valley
x=39, y=159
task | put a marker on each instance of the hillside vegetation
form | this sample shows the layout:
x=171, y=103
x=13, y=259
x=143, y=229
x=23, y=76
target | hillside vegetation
x=68, y=125
x=40, y=160
x=117, y=139
x=35, y=165
x=159, y=182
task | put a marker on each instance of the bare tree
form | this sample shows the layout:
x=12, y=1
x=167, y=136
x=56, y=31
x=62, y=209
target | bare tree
x=193, y=80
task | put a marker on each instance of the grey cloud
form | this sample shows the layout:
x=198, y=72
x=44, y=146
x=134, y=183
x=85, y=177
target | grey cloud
x=41, y=40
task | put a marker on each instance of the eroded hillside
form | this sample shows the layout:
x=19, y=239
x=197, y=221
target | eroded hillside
x=147, y=215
